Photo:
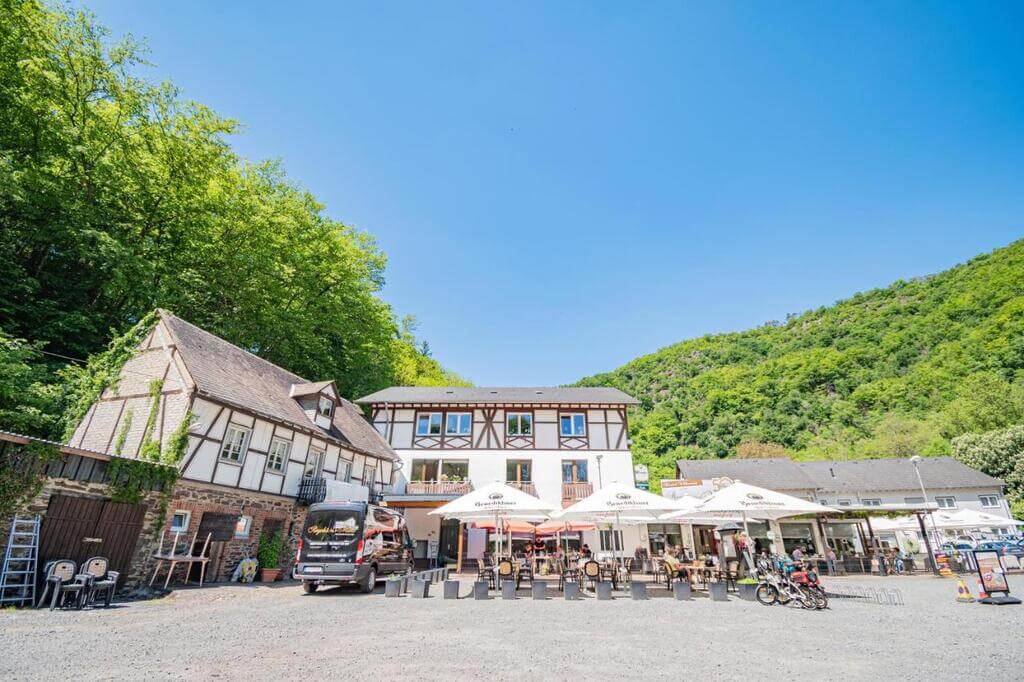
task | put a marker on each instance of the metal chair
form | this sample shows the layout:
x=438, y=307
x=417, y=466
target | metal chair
x=507, y=571
x=100, y=580
x=592, y=572
x=567, y=572
x=485, y=571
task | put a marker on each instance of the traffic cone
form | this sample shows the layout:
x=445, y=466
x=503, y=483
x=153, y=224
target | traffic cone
x=963, y=593
x=982, y=594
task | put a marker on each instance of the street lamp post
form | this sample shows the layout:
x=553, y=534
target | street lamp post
x=916, y=461
x=600, y=483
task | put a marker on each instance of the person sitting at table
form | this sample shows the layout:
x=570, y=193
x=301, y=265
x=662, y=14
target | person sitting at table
x=674, y=567
x=528, y=551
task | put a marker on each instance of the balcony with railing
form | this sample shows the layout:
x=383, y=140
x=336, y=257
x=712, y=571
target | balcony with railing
x=440, y=488
x=574, y=492
x=526, y=486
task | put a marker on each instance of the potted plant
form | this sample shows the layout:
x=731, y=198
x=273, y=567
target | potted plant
x=269, y=555
x=747, y=588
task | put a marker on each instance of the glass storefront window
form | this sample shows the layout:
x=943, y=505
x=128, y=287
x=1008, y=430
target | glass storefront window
x=797, y=535
x=663, y=536
x=843, y=538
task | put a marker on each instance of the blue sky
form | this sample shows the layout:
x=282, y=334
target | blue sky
x=561, y=187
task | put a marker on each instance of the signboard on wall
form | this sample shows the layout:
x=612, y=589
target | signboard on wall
x=220, y=526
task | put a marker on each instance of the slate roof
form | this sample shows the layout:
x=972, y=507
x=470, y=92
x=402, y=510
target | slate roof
x=577, y=395
x=895, y=474
x=775, y=473
x=226, y=373
x=856, y=475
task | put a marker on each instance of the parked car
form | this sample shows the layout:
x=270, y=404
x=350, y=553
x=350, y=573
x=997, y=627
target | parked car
x=957, y=546
x=1002, y=547
x=351, y=543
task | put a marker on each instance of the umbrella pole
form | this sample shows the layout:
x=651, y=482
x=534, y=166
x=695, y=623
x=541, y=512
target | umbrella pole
x=746, y=548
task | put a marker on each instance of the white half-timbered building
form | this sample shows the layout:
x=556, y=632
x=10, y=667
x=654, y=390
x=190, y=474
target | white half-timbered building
x=559, y=444
x=261, y=439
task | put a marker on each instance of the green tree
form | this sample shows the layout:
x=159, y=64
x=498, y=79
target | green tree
x=998, y=453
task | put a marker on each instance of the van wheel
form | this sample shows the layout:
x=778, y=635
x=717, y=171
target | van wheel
x=370, y=582
x=309, y=587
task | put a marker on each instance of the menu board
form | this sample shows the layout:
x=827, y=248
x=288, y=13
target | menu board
x=991, y=572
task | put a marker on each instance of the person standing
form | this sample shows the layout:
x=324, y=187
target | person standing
x=830, y=559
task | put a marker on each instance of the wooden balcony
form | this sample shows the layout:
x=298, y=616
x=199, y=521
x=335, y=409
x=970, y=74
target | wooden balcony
x=574, y=492
x=453, y=488
x=525, y=486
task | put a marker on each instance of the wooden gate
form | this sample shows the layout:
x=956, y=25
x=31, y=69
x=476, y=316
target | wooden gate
x=79, y=528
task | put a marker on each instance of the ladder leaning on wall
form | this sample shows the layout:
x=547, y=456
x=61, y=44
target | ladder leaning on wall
x=18, y=574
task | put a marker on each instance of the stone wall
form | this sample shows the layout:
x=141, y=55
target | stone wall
x=199, y=498
x=148, y=537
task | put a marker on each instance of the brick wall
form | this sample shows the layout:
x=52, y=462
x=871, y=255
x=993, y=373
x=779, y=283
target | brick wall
x=200, y=498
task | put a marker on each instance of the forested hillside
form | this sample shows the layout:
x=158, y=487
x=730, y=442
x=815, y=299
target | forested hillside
x=890, y=372
x=118, y=195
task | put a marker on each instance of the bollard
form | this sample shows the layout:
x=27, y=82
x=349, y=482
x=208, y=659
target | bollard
x=572, y=591
x=451, y=589
x=682, y=591
x=539, y=590
x=604, y=590
x=508, y=589
x=392, y=588
x=480, y=590
x=718, y=591
x=421, y=589
x=638, y=590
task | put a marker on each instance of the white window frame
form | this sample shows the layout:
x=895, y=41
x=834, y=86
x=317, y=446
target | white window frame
x=458, y=423
x=243, y=527
x=427, y=418
x=993, y=498
x=227, y=445
x=369, y=474
x=871, y=502
x=344, y=465
x=518, y=416
x=844, y=503
x=946, y=501
x=180, y=529
x=314, y=456
x=571, y=416
x=282, y=456
x=321, y=399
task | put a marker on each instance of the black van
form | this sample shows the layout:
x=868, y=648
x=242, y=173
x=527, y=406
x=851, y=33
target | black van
x=351, y=543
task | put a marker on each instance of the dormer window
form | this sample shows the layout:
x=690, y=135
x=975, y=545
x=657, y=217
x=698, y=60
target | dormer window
x=325, y=407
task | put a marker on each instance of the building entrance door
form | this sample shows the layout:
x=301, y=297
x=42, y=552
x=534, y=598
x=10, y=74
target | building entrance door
x=448, y=549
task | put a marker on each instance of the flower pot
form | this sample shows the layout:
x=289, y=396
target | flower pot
x=747, y=591
x=451, y=589
x=269, y=575
x=638, y=590
x=572, y=591
x=604, y=590
x=539, y=590
x=508, y=589
x=480, y=590
x=392, y=588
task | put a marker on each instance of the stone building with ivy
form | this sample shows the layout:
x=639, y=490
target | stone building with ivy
x=205, y=438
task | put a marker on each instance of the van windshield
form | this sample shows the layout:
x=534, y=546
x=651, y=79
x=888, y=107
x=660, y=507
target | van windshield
x=336, y=526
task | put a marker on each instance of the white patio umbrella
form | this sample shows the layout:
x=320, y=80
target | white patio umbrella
x=620, y=503
x=972, y=518
x=750, y=501
x=498, y=501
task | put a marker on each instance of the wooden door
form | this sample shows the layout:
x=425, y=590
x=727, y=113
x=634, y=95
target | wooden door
x=79, y=528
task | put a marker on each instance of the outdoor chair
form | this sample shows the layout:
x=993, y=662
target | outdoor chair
x=485, y=572
x=525, y=572
x=660, y=573
x=100, y=580
x=592, y=573
x=568, y=572
x=61, y=580
x=506, y=571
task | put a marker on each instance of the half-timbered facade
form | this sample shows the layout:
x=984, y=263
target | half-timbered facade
x=261, y=439
x=559, y=444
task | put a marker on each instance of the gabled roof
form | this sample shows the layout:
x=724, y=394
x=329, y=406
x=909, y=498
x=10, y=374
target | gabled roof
x=313, y=388
x=774, y=473
x=573, y=395
x=226, y=373
x=844, y=476
x=896, y=473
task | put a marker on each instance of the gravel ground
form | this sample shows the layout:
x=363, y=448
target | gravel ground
x=262, y=632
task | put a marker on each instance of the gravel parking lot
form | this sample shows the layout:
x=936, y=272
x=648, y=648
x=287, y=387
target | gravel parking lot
x=262, y=632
